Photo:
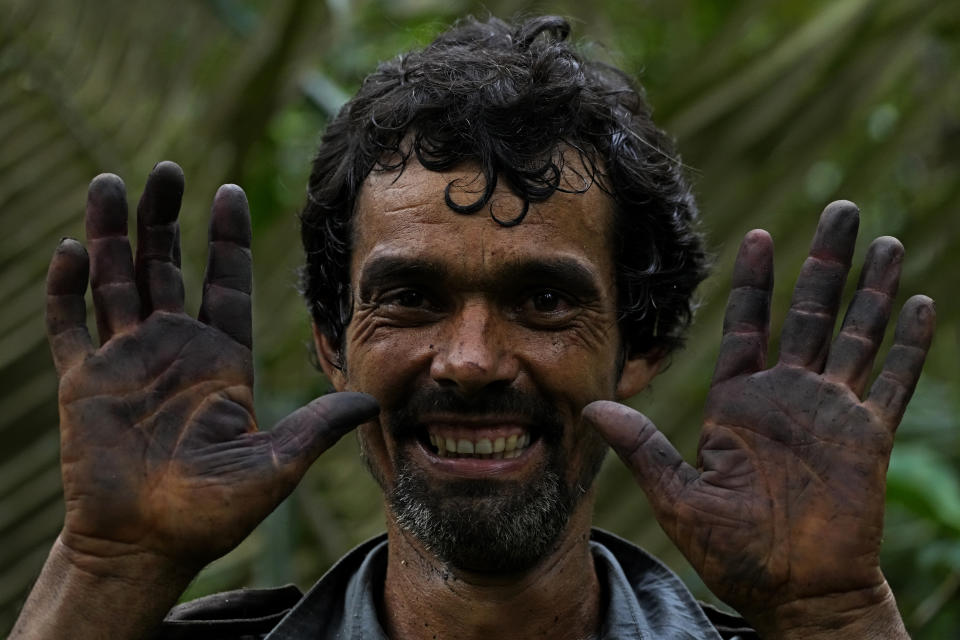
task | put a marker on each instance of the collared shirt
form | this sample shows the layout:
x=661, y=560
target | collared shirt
x=645, y=600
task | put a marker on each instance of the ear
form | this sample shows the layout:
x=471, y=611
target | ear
x=637, y=373
x=328, y=355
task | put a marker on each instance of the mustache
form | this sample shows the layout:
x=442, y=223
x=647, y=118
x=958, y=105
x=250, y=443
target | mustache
x=543, y=415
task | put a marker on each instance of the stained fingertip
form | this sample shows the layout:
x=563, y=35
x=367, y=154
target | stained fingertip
x=106, y=213
x=836, y=231
x=230, y=220
x=757, y=246
x=888, y=241
x=346, y=408
x=757, y=238
x=168, y=169
x=167, y=176
x=601, y=410
x=69, y=268
x=881, y=270
x=106, y=181
x=916, y=323
x=754, y=264
x=68, y=243
x=613, y=420
x=230, y=190
x=106, y=186
x=844, y=209
x=230, y=195
x=162, y=194
x=888, y=248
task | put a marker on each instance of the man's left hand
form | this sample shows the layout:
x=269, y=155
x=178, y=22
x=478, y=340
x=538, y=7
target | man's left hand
x=783, y=516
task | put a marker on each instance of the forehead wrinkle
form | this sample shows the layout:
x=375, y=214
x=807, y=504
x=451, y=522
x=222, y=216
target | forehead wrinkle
x=393, y=214
x=420, y=190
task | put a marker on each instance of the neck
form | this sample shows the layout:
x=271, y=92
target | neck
x=558, y=598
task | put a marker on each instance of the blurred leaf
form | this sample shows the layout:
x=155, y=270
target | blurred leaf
x=925, y=483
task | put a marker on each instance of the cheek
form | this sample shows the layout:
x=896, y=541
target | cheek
x=570, y=366
x=389, y=363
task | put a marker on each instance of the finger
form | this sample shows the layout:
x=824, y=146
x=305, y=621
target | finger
x=66, y=316
x=746, y=325
x=302, y=436
x=659, y=470
x=115, y=296
x=852, y=353
x=808, y=327
x=893, y=387
x=228, y=281
x=159, y=281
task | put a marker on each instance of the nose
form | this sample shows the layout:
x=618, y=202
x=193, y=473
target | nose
x=474, y=353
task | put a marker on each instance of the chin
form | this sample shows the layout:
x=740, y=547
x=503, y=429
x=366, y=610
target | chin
x=487, y=526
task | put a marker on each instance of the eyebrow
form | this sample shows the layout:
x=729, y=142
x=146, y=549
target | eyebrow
x=384, y=269
x=564, y=273
x=567, y=274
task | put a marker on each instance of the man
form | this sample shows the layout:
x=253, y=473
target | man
x=499, y=242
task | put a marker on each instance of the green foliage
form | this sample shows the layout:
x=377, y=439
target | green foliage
x=923, y=510
x=777, y=107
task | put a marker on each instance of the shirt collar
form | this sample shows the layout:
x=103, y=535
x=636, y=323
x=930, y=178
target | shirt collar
x=651, y=602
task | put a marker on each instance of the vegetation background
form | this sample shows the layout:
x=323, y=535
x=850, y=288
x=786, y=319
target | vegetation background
x=777, y=107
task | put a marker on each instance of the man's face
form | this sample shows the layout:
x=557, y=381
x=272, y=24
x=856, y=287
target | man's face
x=482, y=344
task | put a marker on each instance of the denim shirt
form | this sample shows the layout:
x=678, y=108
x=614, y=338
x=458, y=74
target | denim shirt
x=644, y=600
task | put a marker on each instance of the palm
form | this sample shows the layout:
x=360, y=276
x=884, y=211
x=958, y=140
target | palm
x=173, y=425
x=789, y=462
x=786, y=502
x=160, y=447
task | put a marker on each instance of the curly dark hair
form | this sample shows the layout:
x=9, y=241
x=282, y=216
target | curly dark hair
x=513, y=99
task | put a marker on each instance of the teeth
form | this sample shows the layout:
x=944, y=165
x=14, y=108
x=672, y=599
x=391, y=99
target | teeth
x=498, y=449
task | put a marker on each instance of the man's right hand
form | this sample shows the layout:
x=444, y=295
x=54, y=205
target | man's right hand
x=162, y=461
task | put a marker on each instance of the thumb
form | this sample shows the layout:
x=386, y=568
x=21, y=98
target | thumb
x=656, y=465
x=303, y=435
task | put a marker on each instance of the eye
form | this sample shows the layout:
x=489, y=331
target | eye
x=410, y=298
x=546, y=301
x=547, y=308
x=408, y=306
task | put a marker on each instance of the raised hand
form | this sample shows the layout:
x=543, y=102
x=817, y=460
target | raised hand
x=161, y=454
x=783, y=515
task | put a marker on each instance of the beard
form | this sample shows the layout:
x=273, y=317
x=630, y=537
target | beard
x=490, y=526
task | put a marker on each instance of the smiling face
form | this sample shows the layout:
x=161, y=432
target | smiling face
x=482, y=344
